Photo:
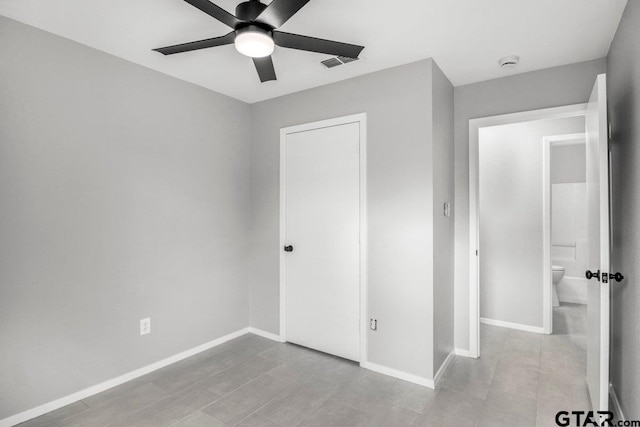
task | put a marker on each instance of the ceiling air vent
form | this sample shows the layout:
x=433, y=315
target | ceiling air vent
x=338, y=60
x=509, y=61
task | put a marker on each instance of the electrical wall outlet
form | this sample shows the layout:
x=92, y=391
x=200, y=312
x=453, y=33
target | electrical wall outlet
x=373, y=324
x=145, y=326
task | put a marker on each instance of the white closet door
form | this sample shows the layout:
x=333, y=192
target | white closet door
x=322, y=203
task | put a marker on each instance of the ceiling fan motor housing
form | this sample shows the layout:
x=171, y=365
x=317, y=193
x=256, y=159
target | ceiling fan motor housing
x=249, y=10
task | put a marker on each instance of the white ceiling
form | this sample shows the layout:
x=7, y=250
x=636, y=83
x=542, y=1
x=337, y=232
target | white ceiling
x=465, y=37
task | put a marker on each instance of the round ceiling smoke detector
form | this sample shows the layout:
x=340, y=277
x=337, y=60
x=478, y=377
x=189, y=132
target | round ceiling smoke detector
x=509, y=61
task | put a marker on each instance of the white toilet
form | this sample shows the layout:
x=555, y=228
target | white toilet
x=556, y=275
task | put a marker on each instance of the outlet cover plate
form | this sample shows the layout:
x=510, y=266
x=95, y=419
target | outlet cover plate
x=145, y=326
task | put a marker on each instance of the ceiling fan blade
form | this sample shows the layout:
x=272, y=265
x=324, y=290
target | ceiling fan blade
x=200, y=44
x=216, y=12
x=265, y=68
x=279, y=11
x=312, y=44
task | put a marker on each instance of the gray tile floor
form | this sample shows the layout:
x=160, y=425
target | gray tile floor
x=521, y=379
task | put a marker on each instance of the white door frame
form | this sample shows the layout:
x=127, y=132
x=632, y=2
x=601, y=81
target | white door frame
x=547, y=143
x=474, y=212
x=355, y=118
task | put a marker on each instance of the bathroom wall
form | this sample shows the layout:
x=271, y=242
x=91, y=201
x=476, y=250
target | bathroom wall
x=511, y=219
x=568, y=163
x=569, y=220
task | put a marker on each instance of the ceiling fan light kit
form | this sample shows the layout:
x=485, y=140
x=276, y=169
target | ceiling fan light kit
x=254, y=41
x=254, y=34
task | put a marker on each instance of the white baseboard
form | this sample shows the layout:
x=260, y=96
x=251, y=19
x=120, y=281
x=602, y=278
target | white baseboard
x=616, y=403
x=518, y=326
x=398, y=374
x=443, y=368
x=265, y=334
x=377, y=368
x=374, y=367
x=90, y=391
x=462, y=352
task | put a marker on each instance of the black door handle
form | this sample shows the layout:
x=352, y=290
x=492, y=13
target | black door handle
x=288, y=248
x=617, y=277
x=591, y=275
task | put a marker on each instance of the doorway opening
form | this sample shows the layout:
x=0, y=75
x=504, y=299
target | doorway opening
x=566, y=240
x=599, y=276
x=519, y=267
x=522, y=299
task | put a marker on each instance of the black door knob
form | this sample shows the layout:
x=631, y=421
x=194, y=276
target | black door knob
x=591, y=275
x=288, y=248
x=617, y=277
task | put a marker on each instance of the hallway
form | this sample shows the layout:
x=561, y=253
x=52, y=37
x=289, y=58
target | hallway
x=521, y=378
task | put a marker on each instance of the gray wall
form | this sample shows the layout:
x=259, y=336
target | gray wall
x=552, y=87
x=443, y=232
x=124, y=193
x=623, y=82
x=568, y=163
x=400, y=205
x=511, y=218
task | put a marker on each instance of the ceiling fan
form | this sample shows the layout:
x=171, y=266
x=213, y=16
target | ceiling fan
x=254, y=33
